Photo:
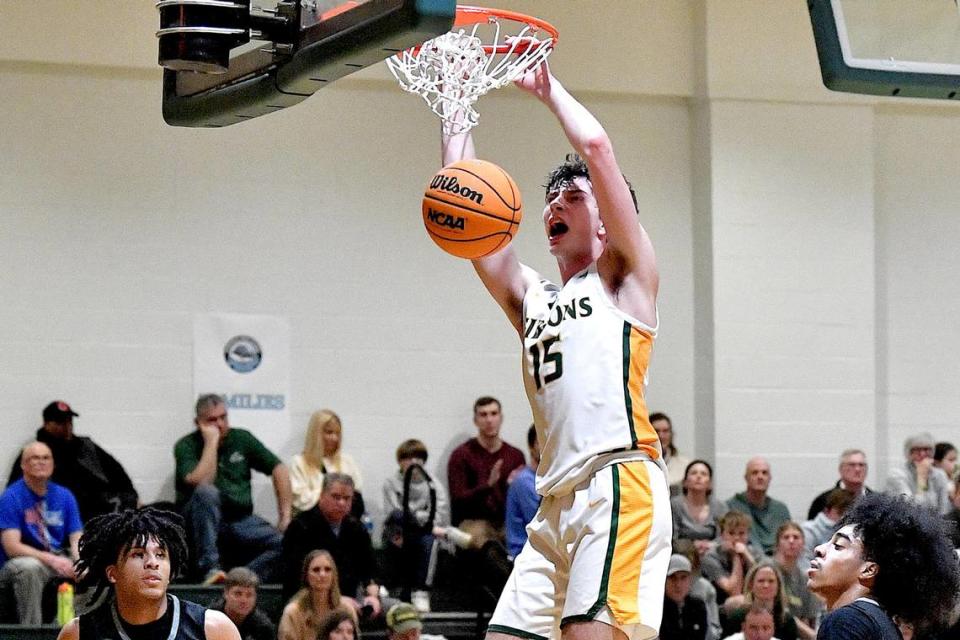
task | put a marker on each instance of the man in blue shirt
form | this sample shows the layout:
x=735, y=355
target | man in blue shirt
x=39, y=533
x=522, y=498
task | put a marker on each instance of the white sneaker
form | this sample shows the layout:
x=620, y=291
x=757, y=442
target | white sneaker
x=421, y=601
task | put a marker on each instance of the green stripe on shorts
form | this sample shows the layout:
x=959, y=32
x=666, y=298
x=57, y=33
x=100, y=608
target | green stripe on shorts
x=608, y=561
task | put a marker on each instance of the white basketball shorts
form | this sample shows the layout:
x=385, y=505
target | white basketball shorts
x=599, y=553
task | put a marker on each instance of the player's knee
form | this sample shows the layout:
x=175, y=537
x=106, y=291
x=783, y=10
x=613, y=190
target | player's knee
x=591, y=630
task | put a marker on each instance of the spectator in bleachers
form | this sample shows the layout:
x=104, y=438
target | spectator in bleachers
x=853, y=477
x=306, y=467
x=213, y=466
x=676, y=463
x=93, y=476
x=821, y=528
x=338, y=625
x=403, y=622
x=330, y=526
x=317, y=597
x=757, y=625
x=684, y=617
x=412, y=528
x=727, y=563
x=700, y=587
x=325, y=444
x=793, y=563
x=696, y=513
x=766, y=513
x=945, y=458
x=239, y=603
x=39, y=531
x=764, y=585
x=522, y=498
x=480, y=469
x=953, y=517
x=918, y=478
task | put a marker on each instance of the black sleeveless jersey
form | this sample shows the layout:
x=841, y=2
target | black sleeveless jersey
x=182, y=621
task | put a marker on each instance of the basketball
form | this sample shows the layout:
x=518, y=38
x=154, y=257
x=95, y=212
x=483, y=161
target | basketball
x=471, y=208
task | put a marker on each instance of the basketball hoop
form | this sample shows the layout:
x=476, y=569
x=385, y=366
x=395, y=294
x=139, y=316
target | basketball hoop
x=492, y=48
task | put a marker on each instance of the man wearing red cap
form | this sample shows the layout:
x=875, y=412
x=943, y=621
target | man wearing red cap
x=95, y=478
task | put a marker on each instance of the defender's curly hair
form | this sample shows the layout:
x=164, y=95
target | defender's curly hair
x=919, y=575
x=108, y=537
x=575, y=167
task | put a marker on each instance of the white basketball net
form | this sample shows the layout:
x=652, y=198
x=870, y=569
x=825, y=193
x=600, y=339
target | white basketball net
x=451, y=71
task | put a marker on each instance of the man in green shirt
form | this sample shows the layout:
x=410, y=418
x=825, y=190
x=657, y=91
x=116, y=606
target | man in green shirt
x=213, y=492
x=767, y=513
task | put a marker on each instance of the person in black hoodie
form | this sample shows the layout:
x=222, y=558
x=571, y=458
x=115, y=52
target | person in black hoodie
x=95, y=478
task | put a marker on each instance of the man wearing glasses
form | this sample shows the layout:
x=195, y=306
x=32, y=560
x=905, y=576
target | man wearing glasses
x=853, y=477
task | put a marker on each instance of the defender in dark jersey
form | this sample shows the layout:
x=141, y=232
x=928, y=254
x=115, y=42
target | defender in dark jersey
x=891, y=565
x=133, y=554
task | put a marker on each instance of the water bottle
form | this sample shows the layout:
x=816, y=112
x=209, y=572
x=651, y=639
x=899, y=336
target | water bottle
x=65, y=611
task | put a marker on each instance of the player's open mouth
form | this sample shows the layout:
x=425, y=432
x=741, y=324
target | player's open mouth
x=557, y=229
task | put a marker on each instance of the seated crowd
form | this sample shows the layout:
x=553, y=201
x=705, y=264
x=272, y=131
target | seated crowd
x=738, y=569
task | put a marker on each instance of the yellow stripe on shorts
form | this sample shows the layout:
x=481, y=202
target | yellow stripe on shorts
x=634, y=520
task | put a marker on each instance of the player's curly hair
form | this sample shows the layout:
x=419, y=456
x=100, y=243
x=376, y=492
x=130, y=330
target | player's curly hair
x=108, y=537
x=919, y=575
x=575, y=167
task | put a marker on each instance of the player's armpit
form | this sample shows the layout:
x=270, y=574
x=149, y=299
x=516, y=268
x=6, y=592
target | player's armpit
x=217, y=626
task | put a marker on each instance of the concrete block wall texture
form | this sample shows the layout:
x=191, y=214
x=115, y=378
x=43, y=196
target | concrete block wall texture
x=803, y=239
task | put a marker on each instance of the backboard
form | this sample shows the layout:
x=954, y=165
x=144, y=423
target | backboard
x=907, y=48
x=228, y=62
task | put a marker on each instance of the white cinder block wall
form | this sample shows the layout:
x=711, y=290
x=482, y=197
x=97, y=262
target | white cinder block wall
x=830, y=300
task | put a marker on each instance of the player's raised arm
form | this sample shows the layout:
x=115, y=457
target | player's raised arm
x=628, y=263
x=501, y=273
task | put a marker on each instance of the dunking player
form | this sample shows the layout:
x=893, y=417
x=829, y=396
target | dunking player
x=133, y=553
x=595, y=563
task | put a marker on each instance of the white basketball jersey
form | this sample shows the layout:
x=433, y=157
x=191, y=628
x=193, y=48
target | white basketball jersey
x=585, y=367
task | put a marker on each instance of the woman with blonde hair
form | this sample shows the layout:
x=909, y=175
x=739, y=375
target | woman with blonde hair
x=318, y=597
x=764, y=584
x=321, y=453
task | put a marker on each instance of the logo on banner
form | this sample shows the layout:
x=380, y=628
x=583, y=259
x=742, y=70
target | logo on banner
x=242, y=354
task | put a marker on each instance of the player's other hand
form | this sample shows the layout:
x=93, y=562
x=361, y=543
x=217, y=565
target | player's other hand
x=536, y=80
x=495, y=473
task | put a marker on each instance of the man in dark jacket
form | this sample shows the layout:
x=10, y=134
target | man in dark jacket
x=95, y=478
x=684, y=617
x=330, y=526
x=239, y=603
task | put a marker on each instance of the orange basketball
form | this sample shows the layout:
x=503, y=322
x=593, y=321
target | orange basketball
x=472, y=209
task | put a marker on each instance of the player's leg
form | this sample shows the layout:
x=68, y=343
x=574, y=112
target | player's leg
x=532, y=599
x=261, y=545
x=203, y=519
x=621, y=529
